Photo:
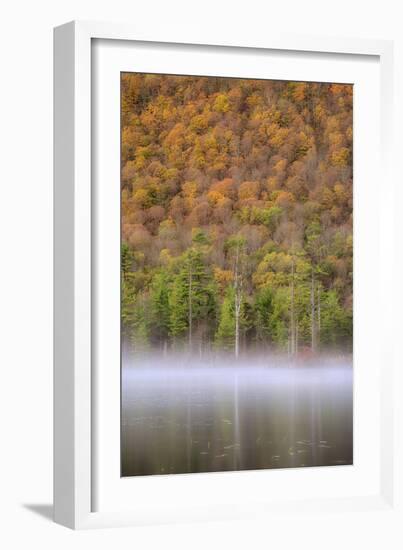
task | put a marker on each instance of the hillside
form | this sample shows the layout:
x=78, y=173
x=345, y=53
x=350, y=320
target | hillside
x=236, y=214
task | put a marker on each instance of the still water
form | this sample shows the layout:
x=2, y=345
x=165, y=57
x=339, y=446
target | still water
x=184, y=417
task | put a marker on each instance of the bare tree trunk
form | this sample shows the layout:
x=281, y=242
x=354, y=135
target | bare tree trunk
x=190, y=313
x=313, y=324
x=296, y=338
x=236, y=332
x=293, y=346
x=292, y=313
x=319, y=319
x=238, y=301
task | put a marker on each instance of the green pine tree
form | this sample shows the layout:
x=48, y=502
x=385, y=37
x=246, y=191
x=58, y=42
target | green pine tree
x=160, y=307
x=263, y=309
x=225, y=334
x=140, y=330
x=192, y=295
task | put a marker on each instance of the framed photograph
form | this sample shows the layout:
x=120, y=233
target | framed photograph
x=223, y=279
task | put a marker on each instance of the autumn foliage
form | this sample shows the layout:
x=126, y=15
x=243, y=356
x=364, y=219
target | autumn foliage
x=236, y=194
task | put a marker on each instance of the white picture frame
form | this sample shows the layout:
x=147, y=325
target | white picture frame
x=76, y=469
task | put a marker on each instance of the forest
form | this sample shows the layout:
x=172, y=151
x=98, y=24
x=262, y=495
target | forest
x=237, y=215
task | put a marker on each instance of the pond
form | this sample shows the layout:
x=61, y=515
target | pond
x=194, y=416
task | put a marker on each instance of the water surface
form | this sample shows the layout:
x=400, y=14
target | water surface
x=186, y=416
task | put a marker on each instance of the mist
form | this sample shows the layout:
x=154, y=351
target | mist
x=191, y=414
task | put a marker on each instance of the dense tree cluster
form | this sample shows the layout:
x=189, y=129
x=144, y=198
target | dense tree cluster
x=236, y=214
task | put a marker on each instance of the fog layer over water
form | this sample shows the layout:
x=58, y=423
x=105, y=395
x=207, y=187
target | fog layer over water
x=184, y=414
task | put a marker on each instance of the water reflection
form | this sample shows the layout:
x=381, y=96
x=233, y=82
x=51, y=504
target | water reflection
x=180, y=418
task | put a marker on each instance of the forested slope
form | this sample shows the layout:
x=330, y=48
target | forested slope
x=236, y=214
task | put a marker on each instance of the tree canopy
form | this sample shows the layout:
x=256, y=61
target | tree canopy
x=236, y=214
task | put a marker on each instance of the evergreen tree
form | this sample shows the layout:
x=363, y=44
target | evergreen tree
x=336, y=322
x=160, y=307
x=192, y=296
x=178, y=307
x=225, y=335
x=263, y=308
x=280, y=317
x=128, y=292
x=140, y=326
